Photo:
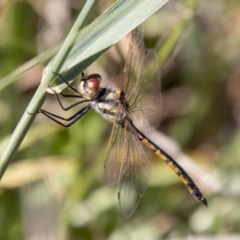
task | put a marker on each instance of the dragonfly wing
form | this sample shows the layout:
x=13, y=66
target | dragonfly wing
x=134, y=179
x=133, y=70
x=142, y=84
x=115, y=154
x=146, y=114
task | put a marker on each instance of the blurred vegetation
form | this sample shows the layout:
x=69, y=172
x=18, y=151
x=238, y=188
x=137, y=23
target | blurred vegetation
x=55, y=188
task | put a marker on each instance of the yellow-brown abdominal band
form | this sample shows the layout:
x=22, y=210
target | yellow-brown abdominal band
x=187, y=181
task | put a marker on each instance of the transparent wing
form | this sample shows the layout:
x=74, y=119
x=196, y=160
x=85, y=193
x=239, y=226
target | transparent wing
x=147, y=107
x=133, y=70
x=134, y=179
x=114, y=163
x=127, y=165
x=142, y=84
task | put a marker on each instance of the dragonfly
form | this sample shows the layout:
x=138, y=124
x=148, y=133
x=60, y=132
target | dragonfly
x=134, y=111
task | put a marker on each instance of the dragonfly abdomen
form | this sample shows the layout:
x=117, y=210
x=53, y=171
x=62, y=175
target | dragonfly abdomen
x=184, y=177
x=187, y=181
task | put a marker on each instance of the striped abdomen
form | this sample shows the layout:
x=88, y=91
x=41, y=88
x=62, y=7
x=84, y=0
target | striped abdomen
x=187, y=181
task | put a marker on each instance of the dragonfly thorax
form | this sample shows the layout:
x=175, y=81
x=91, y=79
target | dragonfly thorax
x=111, y=105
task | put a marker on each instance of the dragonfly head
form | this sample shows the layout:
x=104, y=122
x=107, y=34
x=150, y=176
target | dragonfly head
x=89, y=86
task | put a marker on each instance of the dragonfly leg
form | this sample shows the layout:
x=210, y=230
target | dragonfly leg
x=69, y=86
x=71, y=119
x=72, y=105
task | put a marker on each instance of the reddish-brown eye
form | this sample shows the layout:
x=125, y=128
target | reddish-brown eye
x=92, y=85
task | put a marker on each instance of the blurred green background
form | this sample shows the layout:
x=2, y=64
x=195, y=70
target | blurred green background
x=55, y=187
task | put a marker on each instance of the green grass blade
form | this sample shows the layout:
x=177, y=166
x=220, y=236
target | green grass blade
x=39, y=96
x=104, y=32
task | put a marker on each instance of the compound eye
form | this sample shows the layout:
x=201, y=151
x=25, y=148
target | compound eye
x=92, y=84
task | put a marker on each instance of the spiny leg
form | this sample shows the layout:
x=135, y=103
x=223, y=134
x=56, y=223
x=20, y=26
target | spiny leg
x=72, y=105
x=71, y=119
x=72, y=88
x=69, y=86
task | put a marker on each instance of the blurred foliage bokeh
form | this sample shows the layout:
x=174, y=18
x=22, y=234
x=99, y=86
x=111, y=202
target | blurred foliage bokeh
x=55, y=187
